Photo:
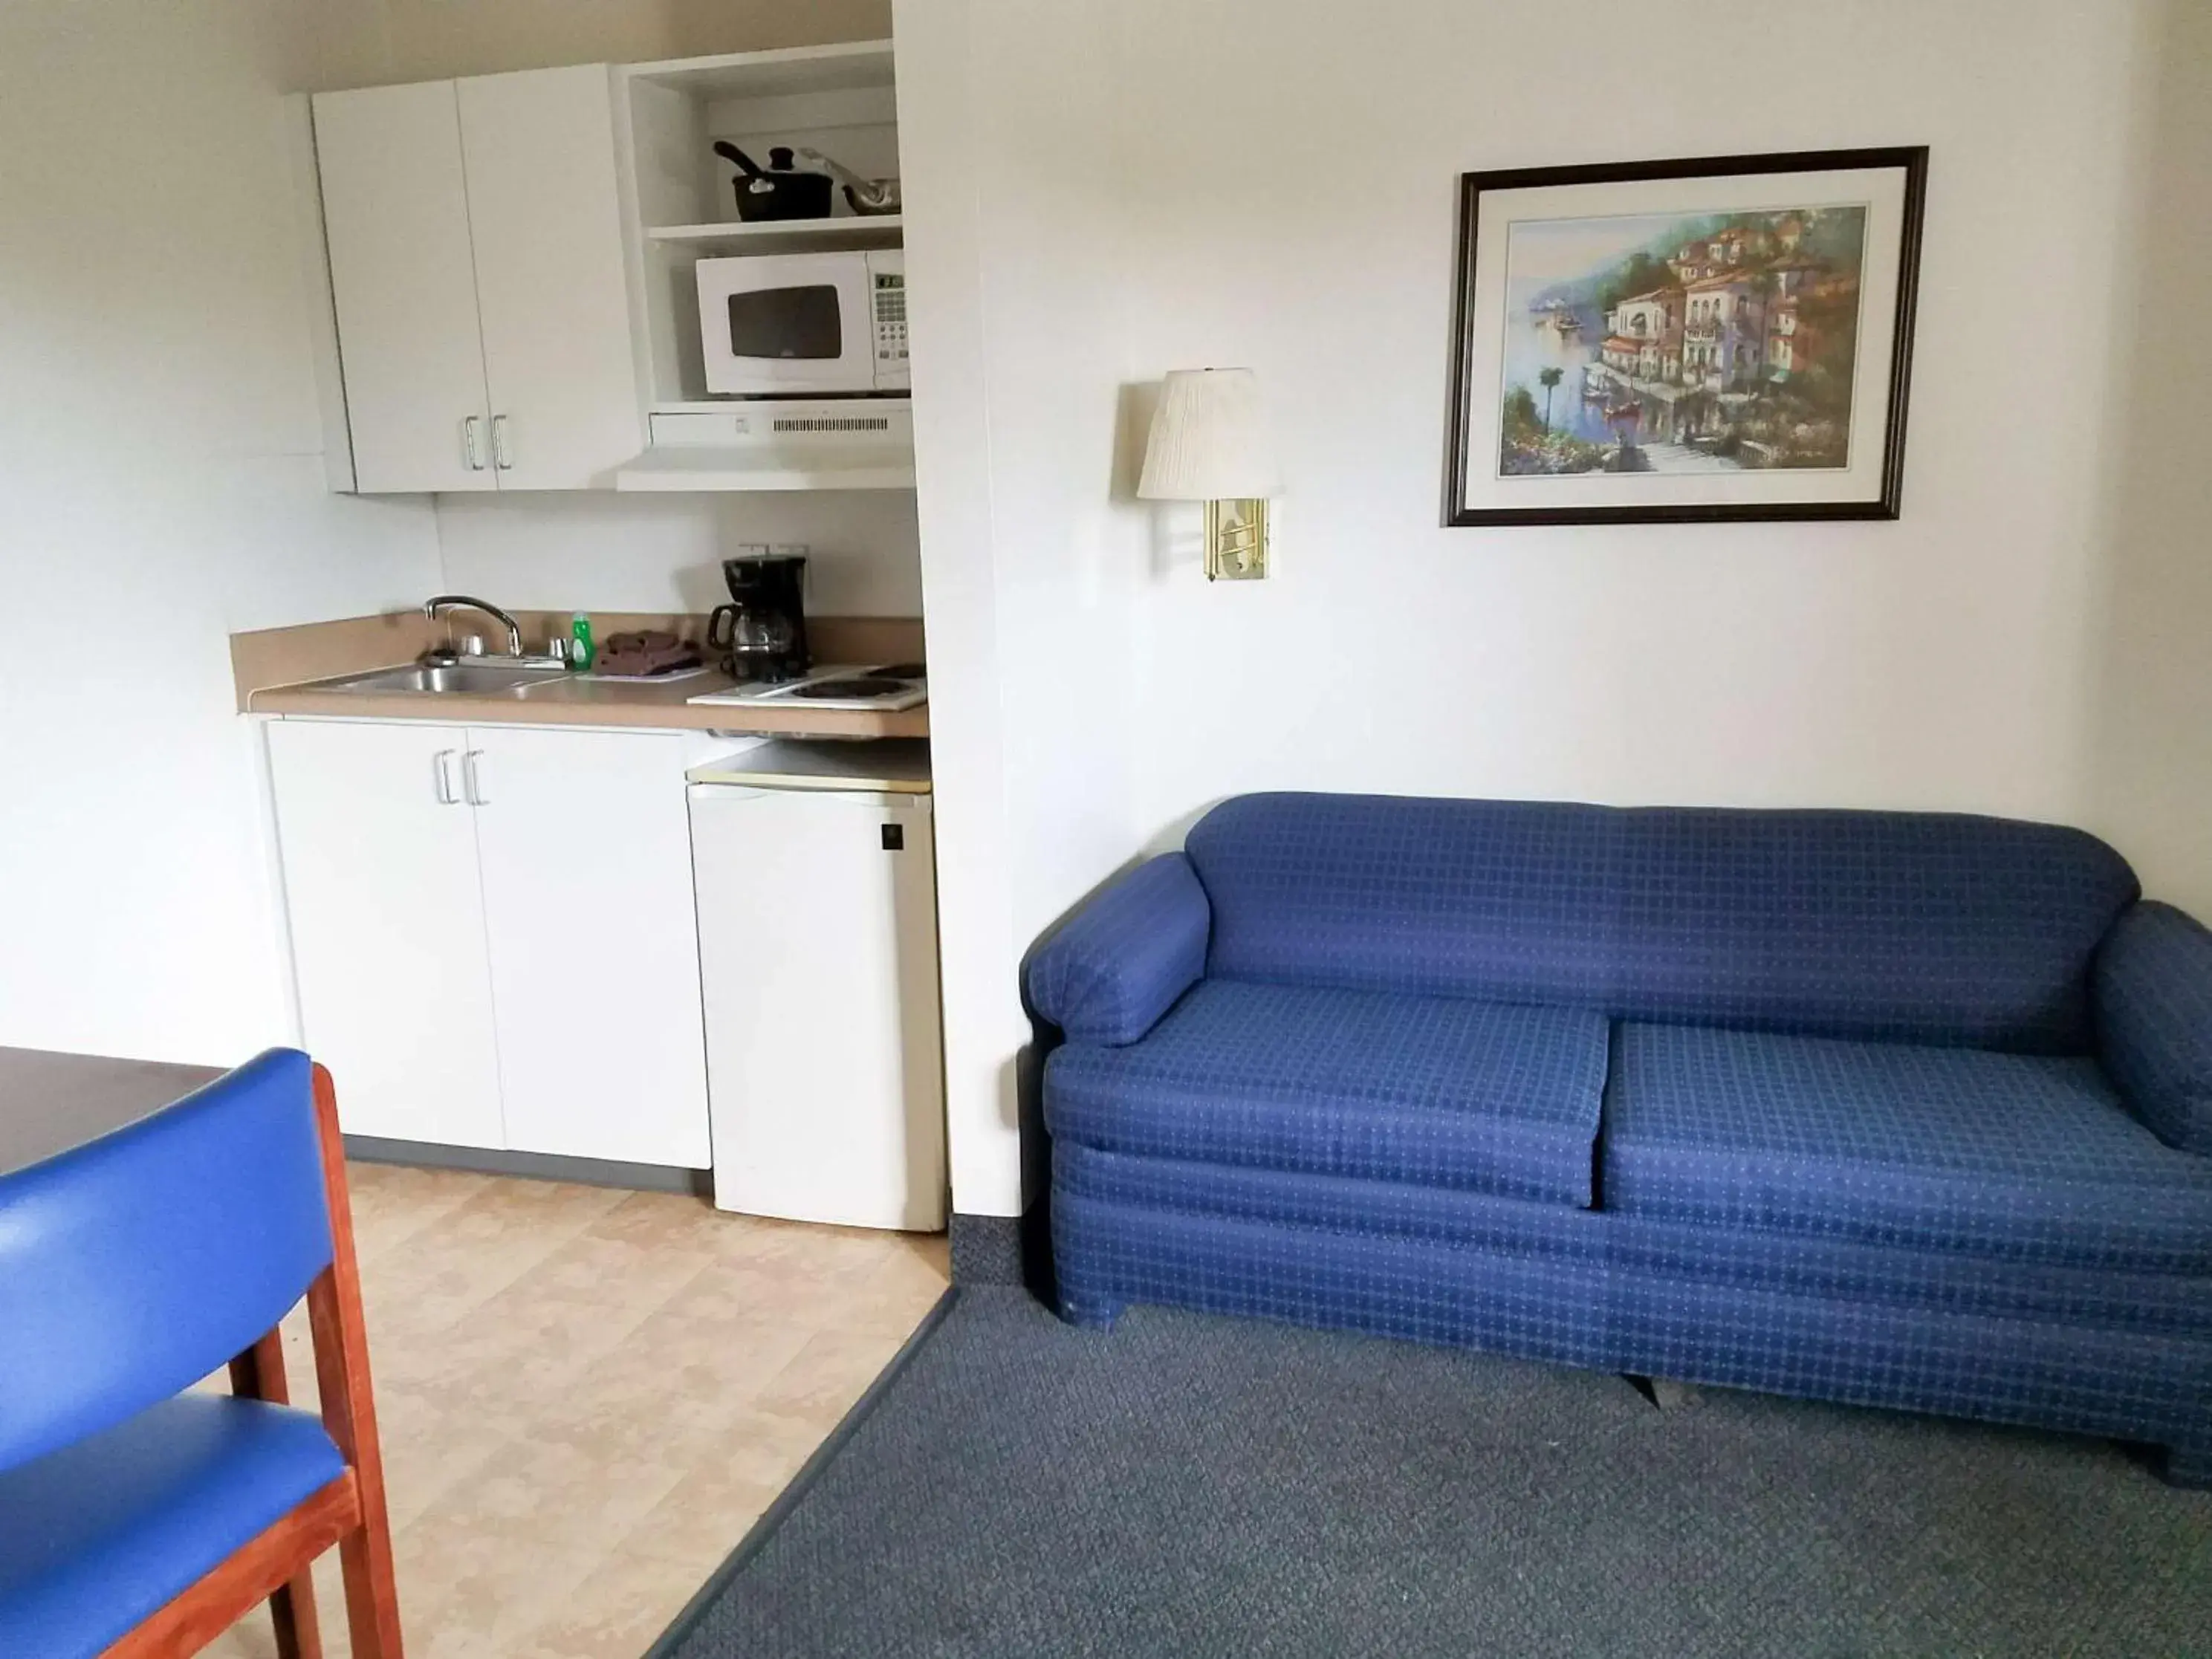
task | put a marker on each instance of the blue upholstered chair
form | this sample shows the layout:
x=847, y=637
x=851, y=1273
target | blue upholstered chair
x=140, y=1519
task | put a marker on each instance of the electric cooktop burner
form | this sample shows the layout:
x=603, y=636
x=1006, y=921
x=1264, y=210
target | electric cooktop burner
x=868, y=686
x=836, y=685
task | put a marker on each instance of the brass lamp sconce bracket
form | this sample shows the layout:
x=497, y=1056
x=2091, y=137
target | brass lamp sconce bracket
x=1236, y=540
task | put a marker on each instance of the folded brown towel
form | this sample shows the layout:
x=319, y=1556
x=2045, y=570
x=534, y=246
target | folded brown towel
x=647, y=652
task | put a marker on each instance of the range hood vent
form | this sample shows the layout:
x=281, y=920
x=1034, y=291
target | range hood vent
x=778, y=444
x=831, y=423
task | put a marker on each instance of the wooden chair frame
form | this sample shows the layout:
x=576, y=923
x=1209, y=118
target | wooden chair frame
x=349, y=1512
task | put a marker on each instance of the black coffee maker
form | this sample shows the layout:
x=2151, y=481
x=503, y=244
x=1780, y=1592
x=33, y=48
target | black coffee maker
x=762, y=633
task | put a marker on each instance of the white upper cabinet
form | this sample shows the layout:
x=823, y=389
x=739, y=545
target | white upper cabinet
x=396, y=215
x=478, y=264
x=550, y=284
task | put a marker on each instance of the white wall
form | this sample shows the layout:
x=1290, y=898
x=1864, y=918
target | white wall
x=161, y=485
x=1943, y=660
x=642, y=552
x=2150, y=783
x=1278, y=190
x=1026, y=569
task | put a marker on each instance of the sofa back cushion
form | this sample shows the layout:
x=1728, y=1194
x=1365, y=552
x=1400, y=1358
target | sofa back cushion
x=1907, y=927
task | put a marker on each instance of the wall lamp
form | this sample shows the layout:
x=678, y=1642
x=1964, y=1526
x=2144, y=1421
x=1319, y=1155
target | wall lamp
x=1209, y=443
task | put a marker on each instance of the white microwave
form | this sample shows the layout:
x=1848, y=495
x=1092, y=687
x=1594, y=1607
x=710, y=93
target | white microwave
x=780, y=325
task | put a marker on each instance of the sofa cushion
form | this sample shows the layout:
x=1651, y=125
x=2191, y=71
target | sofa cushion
x=1998, y=1155
x=1916, y=927
x=2154, y=998
x=1120, y=962
x=1429, y=1090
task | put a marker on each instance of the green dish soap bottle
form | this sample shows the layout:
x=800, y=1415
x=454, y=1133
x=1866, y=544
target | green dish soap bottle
x=581, y=651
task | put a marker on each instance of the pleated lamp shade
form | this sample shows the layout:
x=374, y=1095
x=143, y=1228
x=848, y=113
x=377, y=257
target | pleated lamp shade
x=1209, y=439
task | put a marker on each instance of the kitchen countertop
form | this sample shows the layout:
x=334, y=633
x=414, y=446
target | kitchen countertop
x=276, y=670
x=579, y=700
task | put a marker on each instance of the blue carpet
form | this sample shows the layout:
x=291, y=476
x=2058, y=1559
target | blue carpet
x=1187, y=1485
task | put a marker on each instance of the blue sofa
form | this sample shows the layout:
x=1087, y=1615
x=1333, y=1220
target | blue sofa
x=1901, y=1109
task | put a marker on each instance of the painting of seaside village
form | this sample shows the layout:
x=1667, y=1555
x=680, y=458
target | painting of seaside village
x=1670, y=343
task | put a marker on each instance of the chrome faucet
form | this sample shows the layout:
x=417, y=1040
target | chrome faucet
x=438, y=607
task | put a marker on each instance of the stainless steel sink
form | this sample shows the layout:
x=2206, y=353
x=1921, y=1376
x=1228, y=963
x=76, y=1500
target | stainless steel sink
x=447, y=679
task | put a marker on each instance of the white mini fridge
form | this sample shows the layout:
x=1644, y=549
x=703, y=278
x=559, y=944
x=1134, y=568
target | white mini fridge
x=817, y=955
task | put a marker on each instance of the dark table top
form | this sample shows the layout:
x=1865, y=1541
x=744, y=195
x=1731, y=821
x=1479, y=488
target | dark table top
x=51, y=1103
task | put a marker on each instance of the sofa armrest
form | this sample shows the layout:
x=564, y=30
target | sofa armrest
x=1121, y=961
x=2152, y=986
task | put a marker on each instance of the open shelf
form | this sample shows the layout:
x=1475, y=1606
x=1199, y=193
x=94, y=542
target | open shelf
x=841, y=100
x=785, y=235
x=787, y=72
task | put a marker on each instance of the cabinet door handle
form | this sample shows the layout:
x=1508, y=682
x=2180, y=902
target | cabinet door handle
x=473, y=777
x=472, y=442
x=441, y=777
x=501, y=455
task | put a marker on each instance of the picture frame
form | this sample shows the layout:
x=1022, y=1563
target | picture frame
x=1707, y=339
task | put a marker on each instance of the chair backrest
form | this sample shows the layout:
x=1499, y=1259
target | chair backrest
x=134, y=1266
x=1909, y=927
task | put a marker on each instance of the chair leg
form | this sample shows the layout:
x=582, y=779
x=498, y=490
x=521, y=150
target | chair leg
x=334, y=1319
x=372, y=1593
x=292, y=1610
x=259, y=1374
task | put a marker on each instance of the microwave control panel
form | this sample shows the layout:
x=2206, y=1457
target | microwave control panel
x=890, y=320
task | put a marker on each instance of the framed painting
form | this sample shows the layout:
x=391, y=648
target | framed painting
x=1728, y=338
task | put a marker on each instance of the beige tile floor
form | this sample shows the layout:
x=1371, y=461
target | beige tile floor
x=586, y=1397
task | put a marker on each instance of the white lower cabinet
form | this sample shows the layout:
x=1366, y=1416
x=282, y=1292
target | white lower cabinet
x=492, y=935
x=386, y=913
x=595, y=945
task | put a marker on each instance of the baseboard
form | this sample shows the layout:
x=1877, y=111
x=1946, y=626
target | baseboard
x=535, y=1166
x=1004, y=1249
x=987, y=1249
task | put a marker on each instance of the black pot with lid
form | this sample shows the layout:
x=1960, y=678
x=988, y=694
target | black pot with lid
x=781, y=190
